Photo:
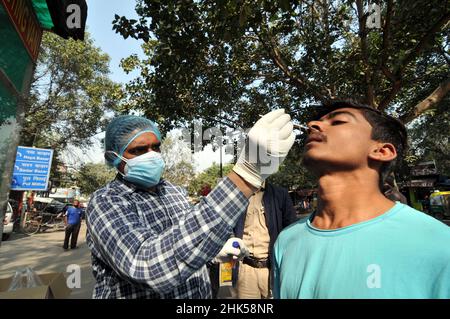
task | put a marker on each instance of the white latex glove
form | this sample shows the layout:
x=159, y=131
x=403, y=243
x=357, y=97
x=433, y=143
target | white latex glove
x=268, y=143
x=229, y=252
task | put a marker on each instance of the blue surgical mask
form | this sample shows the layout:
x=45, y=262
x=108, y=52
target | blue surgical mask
x=144, y=170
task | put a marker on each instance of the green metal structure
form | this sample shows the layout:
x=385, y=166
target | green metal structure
x=22, y=23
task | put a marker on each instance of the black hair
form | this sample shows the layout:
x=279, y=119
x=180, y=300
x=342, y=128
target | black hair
x=385, y=128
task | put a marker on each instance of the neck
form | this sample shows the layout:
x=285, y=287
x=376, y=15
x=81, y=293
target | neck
x=347, y=198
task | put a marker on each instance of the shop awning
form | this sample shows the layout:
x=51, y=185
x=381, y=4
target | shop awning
x=43, y=14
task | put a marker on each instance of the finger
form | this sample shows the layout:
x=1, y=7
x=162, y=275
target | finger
x=286, y=131
x=280, y=147
x=285, y=145
x=281, y=121
x=234, y=251
x=271, y=116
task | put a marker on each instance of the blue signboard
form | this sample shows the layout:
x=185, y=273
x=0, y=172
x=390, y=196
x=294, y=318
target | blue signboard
x=31, y=169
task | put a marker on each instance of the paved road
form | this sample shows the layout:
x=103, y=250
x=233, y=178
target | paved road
x=43, y=252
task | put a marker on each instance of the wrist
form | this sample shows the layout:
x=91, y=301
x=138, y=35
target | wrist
x=249, y=173
x=245, y=187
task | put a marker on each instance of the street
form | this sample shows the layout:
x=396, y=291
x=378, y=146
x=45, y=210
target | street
x=44, y=253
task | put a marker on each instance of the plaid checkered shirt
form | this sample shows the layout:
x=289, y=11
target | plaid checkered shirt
x=155, y=244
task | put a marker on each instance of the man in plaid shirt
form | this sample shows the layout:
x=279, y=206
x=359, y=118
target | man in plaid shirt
x=146, y=240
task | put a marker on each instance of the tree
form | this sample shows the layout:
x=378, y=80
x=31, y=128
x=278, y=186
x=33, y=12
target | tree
x=431, y=139
x=179, y=168
x=210, y=177
x=91, y=177
x=70, y=95
x=228, y=61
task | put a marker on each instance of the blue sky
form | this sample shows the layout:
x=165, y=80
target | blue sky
x=99, y=25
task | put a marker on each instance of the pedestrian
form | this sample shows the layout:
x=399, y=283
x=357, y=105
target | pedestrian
x=270, y=210
x=72, y=220
x=146, y=239
x=359, y=244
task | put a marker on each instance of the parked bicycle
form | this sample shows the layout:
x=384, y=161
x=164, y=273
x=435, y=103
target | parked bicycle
x=38, y=221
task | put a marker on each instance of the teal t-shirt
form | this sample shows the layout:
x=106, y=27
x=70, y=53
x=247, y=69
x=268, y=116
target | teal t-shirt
x=402, y=253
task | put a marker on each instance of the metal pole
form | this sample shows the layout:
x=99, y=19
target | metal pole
x=221, y=167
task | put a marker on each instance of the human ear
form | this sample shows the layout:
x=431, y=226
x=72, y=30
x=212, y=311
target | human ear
x=383, y=152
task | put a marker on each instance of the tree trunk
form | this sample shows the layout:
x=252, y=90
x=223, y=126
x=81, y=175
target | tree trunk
x=430, y=101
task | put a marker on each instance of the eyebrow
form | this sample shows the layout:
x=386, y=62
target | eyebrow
x=142, y=145
x=334, y=114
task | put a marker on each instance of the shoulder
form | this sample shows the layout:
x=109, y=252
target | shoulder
x=293, y=231
x=415, y=218
x=277, y=193
x=115, y=192
x=276, y=189
x=424, y=230
x=168, y=186
x=288, y=239
x=113, y=188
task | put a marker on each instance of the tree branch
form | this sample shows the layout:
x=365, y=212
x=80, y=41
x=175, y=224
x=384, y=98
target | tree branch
x=298, y=80
x=385, y=44
x=362, y=19
x=434, y=98
x=423, y=42
x=396, y=86
x=398, y=73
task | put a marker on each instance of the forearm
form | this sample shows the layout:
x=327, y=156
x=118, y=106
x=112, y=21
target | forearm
x=163, y=260
x=247, y=189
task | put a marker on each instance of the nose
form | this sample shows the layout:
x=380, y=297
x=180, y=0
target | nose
x=314, y=126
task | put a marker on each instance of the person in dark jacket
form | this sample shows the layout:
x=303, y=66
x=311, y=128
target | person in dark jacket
x=269, y=211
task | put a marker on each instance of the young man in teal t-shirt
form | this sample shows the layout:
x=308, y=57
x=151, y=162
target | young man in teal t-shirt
x=359, y=244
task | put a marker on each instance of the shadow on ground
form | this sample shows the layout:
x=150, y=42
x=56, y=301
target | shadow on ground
x=44, y=253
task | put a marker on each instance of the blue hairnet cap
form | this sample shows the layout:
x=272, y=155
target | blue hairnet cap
x=122, y=131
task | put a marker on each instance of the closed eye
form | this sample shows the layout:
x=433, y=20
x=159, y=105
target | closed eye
x=138, y=150
x=337, y=122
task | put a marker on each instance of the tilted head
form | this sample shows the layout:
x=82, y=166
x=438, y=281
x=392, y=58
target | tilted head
x=344, y=134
